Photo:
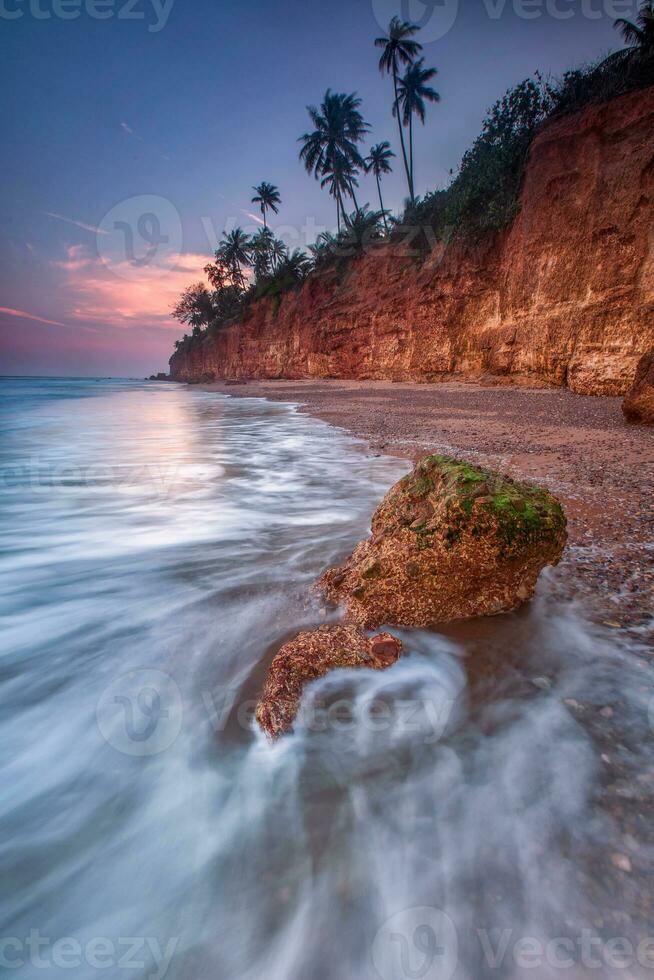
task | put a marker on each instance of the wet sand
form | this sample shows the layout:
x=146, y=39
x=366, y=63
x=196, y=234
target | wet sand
x=580, y=447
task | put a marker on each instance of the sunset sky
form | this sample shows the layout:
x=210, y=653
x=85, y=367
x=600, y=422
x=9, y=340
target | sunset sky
x=130, y=142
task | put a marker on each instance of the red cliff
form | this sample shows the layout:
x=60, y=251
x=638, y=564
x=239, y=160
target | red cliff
x=566, y=295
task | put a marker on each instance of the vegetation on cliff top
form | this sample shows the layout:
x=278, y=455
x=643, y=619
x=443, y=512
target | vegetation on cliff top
x=481, y=199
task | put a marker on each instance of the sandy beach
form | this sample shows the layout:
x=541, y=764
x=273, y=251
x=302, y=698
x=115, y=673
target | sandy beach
x=580, y=447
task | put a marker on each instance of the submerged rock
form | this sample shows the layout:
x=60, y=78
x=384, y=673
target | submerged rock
x=449, y=541
x=638, y=405
x=311, y=655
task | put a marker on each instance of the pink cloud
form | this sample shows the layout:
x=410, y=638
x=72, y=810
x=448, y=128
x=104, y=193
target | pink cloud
x=96, y=292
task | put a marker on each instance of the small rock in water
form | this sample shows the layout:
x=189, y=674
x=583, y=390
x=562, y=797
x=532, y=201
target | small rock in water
x=543, y=683
x=311, y=655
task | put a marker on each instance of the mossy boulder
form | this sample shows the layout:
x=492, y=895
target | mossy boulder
x=638, y=405
x=449, y=541
x=311, y=655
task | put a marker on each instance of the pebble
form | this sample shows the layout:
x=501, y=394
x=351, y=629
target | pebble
x=622, y=862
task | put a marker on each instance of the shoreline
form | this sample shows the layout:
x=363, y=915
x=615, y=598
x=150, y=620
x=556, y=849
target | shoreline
x=578, y=446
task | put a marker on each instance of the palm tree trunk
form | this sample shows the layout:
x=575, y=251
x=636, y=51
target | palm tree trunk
x=411, y=153
x=381, y=203
x=399, y=123
x=265, y=225
x=354, y=197
x=343, y=212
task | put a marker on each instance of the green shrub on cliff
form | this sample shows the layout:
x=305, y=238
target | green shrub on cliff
x=484, y=195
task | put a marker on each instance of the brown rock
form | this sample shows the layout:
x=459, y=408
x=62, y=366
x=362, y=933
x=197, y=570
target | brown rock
x=311, y=655
x=475, y=556
x=638, y=405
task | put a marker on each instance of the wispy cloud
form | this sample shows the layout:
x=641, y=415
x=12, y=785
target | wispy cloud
x=78, y=224
x=254, y=217
x=24, y=315
x=128, y=129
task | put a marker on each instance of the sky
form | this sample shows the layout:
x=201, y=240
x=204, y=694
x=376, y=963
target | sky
x=134, y=130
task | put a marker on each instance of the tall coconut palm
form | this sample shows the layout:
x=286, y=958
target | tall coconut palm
x=413, y=93
x=378, y=162
x=331, y=148
x=234, y=250
x=267, y=197
x=639, y=36
x=398, y=49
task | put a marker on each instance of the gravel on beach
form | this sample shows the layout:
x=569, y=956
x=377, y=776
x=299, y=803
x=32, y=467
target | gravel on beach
x=579, y=447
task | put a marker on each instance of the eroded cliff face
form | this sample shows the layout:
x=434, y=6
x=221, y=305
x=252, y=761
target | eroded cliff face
x=566, y=295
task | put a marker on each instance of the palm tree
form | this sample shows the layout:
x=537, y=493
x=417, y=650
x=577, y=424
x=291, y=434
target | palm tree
x=278, y=253
x=234, y=250
x=266, y=196
x=331, y=149
x=363, y=227
x=260, y=252
x=378, y=162
x=398, y=48
x=413, y=92
x=324, y=247
x=639, y=36
x=295, y=267
x=340, y=177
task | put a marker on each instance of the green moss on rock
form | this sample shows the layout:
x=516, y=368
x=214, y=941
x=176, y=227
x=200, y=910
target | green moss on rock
x=468, y=494
x=454, y=540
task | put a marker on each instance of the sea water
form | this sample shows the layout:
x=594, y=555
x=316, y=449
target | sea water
x=469, y=813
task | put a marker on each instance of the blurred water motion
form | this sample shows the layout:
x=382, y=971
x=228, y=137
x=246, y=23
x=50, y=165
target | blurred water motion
x=157, y=544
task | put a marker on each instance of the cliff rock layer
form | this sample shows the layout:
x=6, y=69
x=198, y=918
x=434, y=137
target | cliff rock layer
x=565, y=296
x=638, y=405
